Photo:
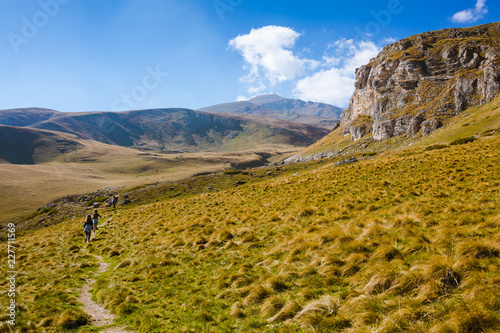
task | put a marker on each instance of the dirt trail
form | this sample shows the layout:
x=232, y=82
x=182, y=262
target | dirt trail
x=99, y=316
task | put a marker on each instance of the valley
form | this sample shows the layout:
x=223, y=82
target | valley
x=46, y=155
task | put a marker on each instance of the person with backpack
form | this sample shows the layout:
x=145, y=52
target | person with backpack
x=114, y=200
x=95, y=219
x=87, y=227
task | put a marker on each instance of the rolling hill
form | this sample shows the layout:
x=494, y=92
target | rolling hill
x=26, y=116
x=30, y=146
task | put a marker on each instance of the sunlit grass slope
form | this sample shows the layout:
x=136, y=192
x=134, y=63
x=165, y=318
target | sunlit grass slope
x=407, y=241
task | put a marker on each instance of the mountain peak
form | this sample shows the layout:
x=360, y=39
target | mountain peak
x=276, y=106
x=266, y=98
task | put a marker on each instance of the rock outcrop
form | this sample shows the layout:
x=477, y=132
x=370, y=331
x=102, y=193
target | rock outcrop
x=415, y=83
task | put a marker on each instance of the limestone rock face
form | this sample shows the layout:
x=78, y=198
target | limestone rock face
x=415, y=83
x=430, y=126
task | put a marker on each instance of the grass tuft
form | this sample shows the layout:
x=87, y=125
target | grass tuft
x=276, y=283
x=255, y=293
x=478, y=249
x=72, y=319
x=289, y=310
x=46, y=322
x=237, y=310
x=435, y=147
x=113, y=253
x=123, y=264
x=271, y=306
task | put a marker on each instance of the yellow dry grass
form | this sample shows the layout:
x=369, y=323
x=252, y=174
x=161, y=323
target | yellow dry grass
x=404, y=242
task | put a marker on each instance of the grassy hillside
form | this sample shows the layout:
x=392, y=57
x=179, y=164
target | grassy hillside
x=27, y=146
x=406, y=241
x=24, y=188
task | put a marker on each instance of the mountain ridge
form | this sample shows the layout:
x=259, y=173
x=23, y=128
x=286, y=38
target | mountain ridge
x=279, y=103
x=167, y=130
x=278, y=107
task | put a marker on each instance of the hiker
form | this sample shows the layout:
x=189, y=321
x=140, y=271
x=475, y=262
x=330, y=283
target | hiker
x=87, y=227
x=114, y=200
x=96, y=218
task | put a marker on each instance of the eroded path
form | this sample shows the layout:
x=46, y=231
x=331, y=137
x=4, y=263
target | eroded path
x=99, y=316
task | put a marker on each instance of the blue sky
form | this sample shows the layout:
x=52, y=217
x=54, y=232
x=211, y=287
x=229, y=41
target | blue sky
x=97, y=55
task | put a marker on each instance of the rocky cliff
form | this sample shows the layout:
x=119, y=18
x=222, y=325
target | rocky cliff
x=415, y=83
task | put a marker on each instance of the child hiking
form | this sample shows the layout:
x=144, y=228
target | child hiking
x=95, y=219
x=87, y=227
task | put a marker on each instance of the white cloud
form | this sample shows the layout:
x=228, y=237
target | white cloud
x=327, y=86
x=472, y=14
x=241, y=98
x=335, y=85
x=330, y=61
x=267, y=52
x=270, y=60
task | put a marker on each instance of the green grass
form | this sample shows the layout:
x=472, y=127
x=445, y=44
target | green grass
x=405, y=241
x=232, y=172
x=46, y=210
x=97, y=200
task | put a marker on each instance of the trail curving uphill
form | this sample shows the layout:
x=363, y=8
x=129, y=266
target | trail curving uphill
x=99, y=316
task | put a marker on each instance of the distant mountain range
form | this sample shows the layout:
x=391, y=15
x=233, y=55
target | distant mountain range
x=275, y=106
x=24, y=132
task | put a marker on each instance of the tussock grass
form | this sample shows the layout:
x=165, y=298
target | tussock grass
x=71, y=319
x=479, y=249
x=289, y=310
x=326, y=305
x=293, y=253
x=255, y=293
x=271, y=306
x=237, y=310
